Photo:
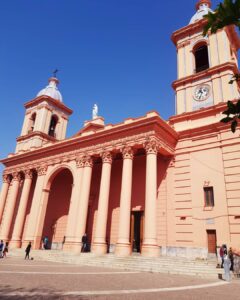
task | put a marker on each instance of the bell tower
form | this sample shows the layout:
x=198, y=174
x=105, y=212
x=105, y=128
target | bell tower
x=46, y=119
x=206, y=64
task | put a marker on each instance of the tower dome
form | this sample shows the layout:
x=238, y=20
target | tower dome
x=51, y=90
x=203, y=7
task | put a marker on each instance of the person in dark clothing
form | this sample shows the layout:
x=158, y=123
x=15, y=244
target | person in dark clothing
x=84, y=243
x=28, y=249
x=45, y=242
x=230, y=255
x=5, y=250
x=221, y=253
x=1, y=248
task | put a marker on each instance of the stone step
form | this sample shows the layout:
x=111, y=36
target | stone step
x=170, y=265
x=110, y=257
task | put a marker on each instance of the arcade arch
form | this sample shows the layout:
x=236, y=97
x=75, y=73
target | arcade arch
x=57, y=205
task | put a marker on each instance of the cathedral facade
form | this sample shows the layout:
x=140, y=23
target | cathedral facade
x=144, y=185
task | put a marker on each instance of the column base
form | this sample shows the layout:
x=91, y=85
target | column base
x=35, y=241
x=123, y=249
x=15, y=244
x=72, y=247
x=99, y=248
x=150, y=250
x=25, y=243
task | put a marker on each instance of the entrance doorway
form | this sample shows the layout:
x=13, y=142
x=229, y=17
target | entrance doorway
x=136, y=230
x=56, y=214
x=212, y=241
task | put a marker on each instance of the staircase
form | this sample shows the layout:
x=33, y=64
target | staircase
x=163, y=264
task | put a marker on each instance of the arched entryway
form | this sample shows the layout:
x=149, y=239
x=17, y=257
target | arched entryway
x=55, y=221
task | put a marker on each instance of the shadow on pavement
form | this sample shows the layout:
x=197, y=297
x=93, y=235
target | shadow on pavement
x=8, y=292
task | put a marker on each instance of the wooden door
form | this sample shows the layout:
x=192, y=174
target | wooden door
x=212, y=241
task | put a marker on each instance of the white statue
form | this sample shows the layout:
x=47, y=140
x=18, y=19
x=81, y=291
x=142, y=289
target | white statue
x=95, y=111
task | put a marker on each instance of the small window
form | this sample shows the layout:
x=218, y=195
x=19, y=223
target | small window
x=208, y=196
x=201, y=58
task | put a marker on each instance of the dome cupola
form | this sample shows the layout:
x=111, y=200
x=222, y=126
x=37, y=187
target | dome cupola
x=51, y=90
x=203, y=7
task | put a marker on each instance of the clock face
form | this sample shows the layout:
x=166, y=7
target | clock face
x=201, y=92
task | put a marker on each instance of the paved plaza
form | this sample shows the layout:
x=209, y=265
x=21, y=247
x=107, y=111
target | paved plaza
x=32, y=279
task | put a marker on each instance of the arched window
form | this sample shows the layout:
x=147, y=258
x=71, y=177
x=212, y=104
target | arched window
x=201, y=58
x=32, y=123
x=52, y=126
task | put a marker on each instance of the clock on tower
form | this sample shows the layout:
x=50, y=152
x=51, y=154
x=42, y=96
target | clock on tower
x=205, y=64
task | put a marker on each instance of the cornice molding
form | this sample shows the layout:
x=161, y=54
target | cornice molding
x=187, y=30
x=36, y=133
x=138, y=140
x=203, y=74
x=198, y=114
x=49, y=100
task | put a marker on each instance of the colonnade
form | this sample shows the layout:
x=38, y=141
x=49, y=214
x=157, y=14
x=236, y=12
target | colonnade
x=78, y=210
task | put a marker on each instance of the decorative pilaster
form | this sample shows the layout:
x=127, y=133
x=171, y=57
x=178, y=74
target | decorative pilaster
x=82, y=208
x=123, y=247
x=150, y=247
x=3, y=196
x=70, y=239
x=21, y=214
x=36, y=209
x=99, y=244
x=10, y=206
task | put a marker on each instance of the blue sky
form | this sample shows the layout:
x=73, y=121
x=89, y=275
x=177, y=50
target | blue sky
x=115, y=53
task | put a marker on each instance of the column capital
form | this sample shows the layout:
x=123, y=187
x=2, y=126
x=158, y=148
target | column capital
x=106, y=157
x=16, y=176
x=28, y=174
x=80, y=161
x=152, y=147
x=88, y=161
x=127, y=152
x=42, y=170
x=6, y=178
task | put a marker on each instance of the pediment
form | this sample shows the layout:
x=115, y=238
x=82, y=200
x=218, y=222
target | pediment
x=89, y=127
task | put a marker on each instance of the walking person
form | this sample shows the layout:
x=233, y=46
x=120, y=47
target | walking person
x=1, y=248
x=5, y=250
x=84, y=243
x=221, y=253
x=227, y=266
x=230, y=255
x=28, y=249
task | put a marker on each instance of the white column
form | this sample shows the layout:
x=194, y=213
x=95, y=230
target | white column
x=36, y=209
x=82, y=209
x=9, y=207
x=99, y=244
x=4, y=193
x=70, y=240
x=21, y=214
x=123, y=247
x=150, y=247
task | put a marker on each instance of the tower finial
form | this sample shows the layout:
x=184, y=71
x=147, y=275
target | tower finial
x=208, y=3
x=55, y=73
